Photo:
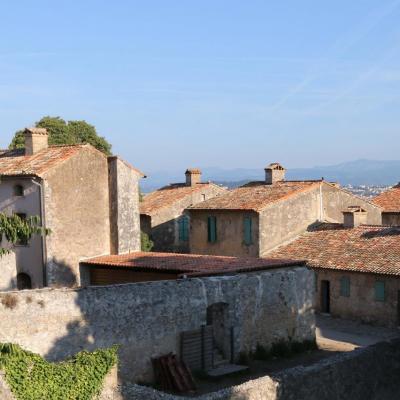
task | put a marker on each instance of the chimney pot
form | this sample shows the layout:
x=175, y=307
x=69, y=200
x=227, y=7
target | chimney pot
x=193, y=176
x=354, y=216
x=274, y=172
x=36, y=139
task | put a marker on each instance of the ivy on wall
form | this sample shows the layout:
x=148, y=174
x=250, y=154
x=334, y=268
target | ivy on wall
x=13, y=228
x=31, y=377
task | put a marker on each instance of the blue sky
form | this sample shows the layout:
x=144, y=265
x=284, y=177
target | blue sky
x=173, y=84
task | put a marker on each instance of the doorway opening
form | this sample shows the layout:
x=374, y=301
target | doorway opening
x=325, y=297
x=24, y=281
x=218, y=318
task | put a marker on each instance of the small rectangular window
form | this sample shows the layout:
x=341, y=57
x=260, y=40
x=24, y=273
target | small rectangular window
x=345, y=286
x=18, y=190
x=212, y=229
x=379, y=291
x=248, y=239
x=183, y=225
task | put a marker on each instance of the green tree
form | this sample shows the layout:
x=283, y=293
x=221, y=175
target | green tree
x=15, y=229
x=61, y=132
x=146, y=243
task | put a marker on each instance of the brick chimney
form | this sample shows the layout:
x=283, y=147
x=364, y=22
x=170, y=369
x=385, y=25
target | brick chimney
x=193, y=176
x=274, y=173
x=354, y=216
x=36, y=139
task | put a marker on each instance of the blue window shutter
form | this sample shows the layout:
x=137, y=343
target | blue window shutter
x=345, y=286
x=247, y=230
x=212, y=229
x=185, y=228
x=379, y=291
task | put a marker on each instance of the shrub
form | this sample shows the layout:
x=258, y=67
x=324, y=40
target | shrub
x=9, y=301
x=30, y=377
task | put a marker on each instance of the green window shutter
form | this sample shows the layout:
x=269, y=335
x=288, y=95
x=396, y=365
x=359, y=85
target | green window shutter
x=212, y=229
x=345, y=286
x=247, y=231
x=379, y=291
x=183, y=225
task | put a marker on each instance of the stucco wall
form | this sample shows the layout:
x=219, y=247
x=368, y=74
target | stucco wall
x=336, y=200
x=285, y=220
x=230, y=233
x=77, y=212
x=361, y=305
x=145, y=319
x=8, y=272
x=391, y=219
x=164, y=224
x=124, y=207
x=29, y=258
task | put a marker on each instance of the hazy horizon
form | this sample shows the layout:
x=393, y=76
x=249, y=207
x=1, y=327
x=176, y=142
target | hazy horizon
x=225, y=84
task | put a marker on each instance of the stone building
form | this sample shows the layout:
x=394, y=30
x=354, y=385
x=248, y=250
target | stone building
x=389, y=201
x=162, y=212
x=357, y=267
x=259, y=216
x=88, y=201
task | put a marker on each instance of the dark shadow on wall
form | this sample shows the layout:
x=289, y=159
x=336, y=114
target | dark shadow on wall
x=61, y=274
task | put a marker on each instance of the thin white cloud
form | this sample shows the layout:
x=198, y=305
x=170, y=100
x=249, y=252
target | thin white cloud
x=339, y=47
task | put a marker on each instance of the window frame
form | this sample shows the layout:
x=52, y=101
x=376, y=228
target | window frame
x=183, y=228
x=212, y=229
x=380, y=286
x=345, y=286
x=247, y=230
x=18, y=190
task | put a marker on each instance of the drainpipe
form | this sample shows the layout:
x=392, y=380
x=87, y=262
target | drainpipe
x=43, y=222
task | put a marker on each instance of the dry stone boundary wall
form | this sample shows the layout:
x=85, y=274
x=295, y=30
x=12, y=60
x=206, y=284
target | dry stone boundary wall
x=146, y=319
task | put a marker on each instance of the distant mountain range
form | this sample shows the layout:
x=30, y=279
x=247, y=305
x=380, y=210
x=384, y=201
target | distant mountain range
x=359, y=172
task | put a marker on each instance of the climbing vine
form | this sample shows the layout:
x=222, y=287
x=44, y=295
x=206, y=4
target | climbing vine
x=15, y=229
x=30, y=377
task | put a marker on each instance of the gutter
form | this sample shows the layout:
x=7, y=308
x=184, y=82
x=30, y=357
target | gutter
x=43, y=222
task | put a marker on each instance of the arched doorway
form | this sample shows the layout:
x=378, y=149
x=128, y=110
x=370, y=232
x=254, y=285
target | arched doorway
x=24, y=281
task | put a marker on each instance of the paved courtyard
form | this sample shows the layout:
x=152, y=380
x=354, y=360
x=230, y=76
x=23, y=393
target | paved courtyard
x=334, y=334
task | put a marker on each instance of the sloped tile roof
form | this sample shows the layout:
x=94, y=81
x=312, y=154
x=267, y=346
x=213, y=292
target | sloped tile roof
x=15, y=162
x=389, y=200
x=255, y=196
x=373, y=249
x=168, y=195
x=187, y=264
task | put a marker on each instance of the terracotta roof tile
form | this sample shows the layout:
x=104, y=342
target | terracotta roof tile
x=168, y=195
x=255, y=195
x=389, y=200
x=374, y=249
x=14, y=162
x=188, y=264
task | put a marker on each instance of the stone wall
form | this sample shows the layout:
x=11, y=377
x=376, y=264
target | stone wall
x=28, y=258
x=285, y=220
x=124, y=206
x=391, y=219
x=230, y=233
x=361, y=304
x=336, y=200
x=77, y=212
x=8, y=268
x=146, y=319
x=369, y=373
x=164, y=223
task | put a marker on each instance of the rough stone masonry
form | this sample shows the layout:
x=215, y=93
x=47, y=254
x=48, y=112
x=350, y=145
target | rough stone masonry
x=146, y=319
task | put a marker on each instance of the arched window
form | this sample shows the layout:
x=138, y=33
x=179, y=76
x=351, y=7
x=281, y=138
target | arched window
x=18, y=190
x=24, y=281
